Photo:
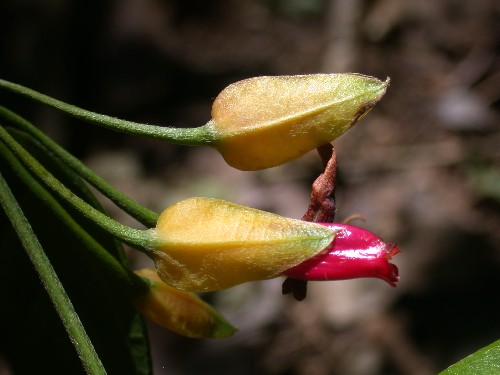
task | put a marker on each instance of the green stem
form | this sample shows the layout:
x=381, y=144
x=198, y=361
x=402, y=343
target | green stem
x=60, y=299
x=129, y=280
x=187, y=136
x=143, y=240
x=134, y=209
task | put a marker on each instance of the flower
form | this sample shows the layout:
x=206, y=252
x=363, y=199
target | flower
x=181, y=312
x=354, y=253
x=206, y=244
x=266, y=121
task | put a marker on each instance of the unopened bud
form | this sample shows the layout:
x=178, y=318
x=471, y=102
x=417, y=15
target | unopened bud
x=181, y=312
x=266, y=121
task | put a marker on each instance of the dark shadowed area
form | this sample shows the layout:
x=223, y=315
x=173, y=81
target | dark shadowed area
x=423, y=166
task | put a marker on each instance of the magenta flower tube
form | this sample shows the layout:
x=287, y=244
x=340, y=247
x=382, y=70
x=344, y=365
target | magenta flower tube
x=354, y=253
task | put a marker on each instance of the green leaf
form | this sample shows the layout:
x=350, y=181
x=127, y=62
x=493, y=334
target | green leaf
x=484, y=361
x=29, y=325
x=55, y=290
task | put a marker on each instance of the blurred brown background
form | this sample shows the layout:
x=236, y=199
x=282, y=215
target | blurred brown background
x=422, y=167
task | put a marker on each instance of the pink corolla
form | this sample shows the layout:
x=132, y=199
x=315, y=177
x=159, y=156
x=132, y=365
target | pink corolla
x=353, y=253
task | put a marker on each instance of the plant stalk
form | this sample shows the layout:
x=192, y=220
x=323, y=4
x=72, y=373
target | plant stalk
x=185, y=136
x=143, y=240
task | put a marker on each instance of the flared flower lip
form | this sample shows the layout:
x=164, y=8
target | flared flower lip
x=354, y=253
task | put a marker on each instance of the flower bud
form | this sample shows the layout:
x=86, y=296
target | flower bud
x=263, y=122
x=206, y=244
x=181, y=312
x=354, y=253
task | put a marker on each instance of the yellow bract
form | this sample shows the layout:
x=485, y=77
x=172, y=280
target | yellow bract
x=209, y=244
x=265, y=121
x=181, y=312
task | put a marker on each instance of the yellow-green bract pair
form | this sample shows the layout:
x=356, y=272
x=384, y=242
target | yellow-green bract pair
x=206, y=244
x=263, y=122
